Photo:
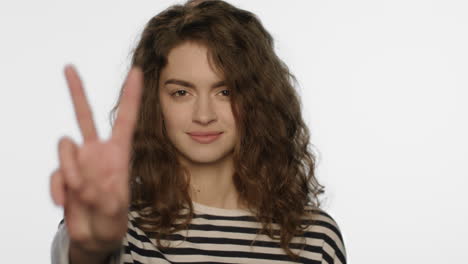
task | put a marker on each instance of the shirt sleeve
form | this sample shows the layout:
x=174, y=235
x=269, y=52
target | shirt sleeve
x=61, y=244
x=333, y=244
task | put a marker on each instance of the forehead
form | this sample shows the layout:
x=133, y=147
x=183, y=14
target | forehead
x=190, y=60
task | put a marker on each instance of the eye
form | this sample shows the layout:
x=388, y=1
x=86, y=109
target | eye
x=228, y=92
x=179, y=92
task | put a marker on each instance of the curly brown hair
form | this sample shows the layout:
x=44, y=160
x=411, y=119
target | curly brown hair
x=274, y=164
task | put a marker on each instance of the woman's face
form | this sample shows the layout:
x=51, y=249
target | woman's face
x=194, y=99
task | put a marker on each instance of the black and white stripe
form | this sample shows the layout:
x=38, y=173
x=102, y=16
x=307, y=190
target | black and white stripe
x=234, y=238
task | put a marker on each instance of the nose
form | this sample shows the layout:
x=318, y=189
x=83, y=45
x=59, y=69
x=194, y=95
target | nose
x=204, y=112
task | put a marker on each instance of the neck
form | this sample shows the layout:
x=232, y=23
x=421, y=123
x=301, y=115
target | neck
x=212, y=184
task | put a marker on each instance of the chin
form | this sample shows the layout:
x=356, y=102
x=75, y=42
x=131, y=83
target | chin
x=206, y=156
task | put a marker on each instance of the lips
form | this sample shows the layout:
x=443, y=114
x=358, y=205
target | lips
x=204, y=133
x=206, y=138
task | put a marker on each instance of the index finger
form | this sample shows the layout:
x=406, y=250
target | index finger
x=84, y=115
x=127, y=115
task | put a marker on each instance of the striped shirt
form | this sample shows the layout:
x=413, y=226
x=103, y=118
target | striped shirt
x=218, y=235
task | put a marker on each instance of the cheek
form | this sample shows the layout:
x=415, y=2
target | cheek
x=172, y=120
x=228, y=116
x=175, y=118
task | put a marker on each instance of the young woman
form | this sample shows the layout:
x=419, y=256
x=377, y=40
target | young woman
x=209, y=158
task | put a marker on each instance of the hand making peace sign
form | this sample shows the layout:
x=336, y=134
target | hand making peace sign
x=92, y=181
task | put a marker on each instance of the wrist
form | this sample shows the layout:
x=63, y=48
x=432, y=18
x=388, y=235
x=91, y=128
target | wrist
x=78, y=255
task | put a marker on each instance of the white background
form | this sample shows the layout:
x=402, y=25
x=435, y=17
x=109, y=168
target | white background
x=384, y=89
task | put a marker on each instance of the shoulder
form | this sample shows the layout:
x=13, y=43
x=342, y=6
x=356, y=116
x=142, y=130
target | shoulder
x=322, y=225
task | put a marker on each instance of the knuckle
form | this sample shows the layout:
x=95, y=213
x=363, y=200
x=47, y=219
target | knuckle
x=88, y=194
x=66, y=143
x=79, y=236
x=55, y=178
x=64, y=170
x=110, y=208
x=67, y=169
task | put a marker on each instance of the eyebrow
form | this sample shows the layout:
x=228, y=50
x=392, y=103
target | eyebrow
x=191, y=85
